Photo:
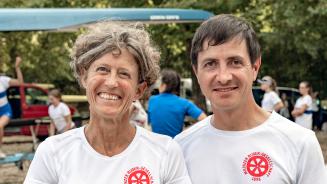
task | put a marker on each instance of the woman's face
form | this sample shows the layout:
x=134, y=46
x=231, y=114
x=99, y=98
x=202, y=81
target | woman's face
x=53, y=100
x=264, y=86
x=111, y=84
x=304, y=90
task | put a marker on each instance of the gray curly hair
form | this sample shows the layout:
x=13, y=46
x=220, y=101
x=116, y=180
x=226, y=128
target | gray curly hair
x=108, y=37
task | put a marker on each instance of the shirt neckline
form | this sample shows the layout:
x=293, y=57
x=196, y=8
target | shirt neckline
x=242, y=132
x=93, y=152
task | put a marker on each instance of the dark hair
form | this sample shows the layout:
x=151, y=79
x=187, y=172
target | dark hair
x=221, y=29
x=55, y=93
x=273, y=85
x=172, y=81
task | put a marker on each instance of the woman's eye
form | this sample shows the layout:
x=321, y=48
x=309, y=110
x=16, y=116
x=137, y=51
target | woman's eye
x=102, y=69
x=124, y=75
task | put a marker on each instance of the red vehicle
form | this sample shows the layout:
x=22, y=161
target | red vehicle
x=28, y=102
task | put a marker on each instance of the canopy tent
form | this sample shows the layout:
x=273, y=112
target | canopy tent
x=68, y=19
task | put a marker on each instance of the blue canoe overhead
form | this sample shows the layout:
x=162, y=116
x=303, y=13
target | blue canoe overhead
x=67, y=19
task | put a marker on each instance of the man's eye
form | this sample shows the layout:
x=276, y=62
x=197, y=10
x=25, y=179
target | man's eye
x=210, y=64
x=236, y=62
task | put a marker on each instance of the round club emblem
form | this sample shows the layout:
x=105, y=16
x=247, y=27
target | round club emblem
x=257, y=165
x=138, y=175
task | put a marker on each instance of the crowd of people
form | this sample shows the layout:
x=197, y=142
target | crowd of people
x=240, y=142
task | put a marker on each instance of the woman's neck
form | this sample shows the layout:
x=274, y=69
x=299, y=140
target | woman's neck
x=269, y=90
x=110, y=136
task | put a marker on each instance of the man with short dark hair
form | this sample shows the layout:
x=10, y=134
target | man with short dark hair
x=241, y=142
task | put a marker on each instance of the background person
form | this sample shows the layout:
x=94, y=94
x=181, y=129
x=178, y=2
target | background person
x=5, y=109
x=285, y=110
x=302, y=111
x=114, y=63
x=271, y=101
x=59, y=112
x=316, y=108
x=167, y=110
x=139, y=117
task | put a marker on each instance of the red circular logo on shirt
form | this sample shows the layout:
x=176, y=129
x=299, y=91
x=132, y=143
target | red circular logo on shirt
x=257, y=164
x=138, y=175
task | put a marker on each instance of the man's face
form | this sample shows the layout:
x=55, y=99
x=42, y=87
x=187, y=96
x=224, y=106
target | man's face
x=225, y=74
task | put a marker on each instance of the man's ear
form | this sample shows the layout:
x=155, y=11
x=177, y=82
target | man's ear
x=140, y=90
x=256, y=67
x=195, y=70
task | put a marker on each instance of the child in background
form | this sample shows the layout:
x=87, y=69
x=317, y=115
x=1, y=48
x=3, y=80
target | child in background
x=61, y=120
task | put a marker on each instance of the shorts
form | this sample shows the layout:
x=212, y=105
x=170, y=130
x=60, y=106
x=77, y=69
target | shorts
x=6, y=111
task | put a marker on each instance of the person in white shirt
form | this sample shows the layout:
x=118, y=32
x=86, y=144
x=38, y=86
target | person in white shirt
x=241, y=142
x=303, y=107
x=59, y=112
x=114, y=62
x=139, y=116
x=5, y=108
x=271, y=101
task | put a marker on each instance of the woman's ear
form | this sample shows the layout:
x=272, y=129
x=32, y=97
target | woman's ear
x=82, y=79
x=140, y=90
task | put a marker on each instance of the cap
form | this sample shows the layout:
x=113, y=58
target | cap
x=265, y=80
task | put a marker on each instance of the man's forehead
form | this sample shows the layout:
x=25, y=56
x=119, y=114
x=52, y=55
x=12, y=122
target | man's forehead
x=211, y=42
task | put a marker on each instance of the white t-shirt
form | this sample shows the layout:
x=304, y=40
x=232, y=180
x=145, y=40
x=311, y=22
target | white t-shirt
x=270, y=99
x=277, y=151
x=57, y=114
x=139, y=117
x=69, y=159
x=305, y=119
x=4, y=85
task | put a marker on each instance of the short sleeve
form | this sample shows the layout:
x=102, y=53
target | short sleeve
x=275, y=98
x=192, y=110
x=42, y=169
x=311, y=167
x=175, y=171
x=4, y=80
x=49, y=110
x=65, y=109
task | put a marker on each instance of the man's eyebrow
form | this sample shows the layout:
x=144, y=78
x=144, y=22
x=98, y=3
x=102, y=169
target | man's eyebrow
x=210, y=59
x=235, y=57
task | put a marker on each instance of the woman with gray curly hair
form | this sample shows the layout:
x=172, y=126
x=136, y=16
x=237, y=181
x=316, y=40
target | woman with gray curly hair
x=115, y=63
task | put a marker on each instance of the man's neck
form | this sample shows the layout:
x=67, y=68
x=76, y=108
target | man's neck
x=239, y=119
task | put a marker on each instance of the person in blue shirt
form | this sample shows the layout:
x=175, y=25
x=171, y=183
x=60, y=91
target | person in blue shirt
x=167, y=110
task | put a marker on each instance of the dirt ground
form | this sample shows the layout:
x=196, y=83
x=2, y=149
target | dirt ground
x=10, y=174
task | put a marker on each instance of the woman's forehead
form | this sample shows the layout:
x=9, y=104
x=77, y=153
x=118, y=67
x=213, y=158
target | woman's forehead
x=124, y=59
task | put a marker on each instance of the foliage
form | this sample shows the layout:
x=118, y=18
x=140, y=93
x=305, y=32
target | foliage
x=292, y=35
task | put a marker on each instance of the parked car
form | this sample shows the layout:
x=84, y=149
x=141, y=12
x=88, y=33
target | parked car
x=292, y=95
x=28, y=102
